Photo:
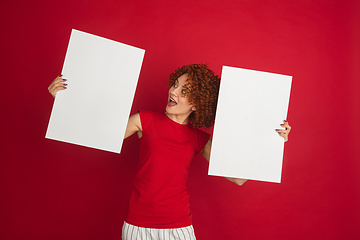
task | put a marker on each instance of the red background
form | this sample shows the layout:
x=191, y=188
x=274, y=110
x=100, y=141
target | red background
x=55, y=190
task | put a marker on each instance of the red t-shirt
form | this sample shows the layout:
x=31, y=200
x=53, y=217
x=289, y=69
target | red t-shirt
x=159, y=197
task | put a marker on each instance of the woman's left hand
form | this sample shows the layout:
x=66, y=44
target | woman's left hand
x=284, y=133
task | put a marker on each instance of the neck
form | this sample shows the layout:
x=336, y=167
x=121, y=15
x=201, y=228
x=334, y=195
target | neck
x=179, y=118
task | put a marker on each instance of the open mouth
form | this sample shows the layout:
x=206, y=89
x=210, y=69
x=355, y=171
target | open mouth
x=172, y=102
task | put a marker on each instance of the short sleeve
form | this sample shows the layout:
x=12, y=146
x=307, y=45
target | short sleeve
x=145, y=119
x=203, y=139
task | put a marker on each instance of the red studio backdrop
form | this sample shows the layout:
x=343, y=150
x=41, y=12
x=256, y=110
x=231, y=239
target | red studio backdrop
x=55, y=190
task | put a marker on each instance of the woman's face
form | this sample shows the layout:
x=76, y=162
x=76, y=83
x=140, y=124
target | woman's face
x=178, y=103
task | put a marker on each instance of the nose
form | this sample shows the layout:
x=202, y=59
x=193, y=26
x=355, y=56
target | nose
x=173, y=91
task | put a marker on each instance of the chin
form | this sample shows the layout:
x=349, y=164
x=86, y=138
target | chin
x=169, y=110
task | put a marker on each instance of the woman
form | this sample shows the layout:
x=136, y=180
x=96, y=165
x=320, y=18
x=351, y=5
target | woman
x=159, y=204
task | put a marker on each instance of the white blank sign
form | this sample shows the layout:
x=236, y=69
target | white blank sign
x=102, y=76
x=251, y=105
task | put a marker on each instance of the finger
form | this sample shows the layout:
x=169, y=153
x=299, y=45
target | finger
x=284, y=135
x=59, y=88
x=282, y=131
x=285, y=130
x=286, y=124
x=59, y=79
x=52, y=87
x=54, y=90
x=56, y=82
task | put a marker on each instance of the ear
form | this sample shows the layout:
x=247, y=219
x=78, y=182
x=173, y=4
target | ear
x=193, y=108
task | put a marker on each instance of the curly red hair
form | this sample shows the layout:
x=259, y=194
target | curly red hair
x=203, y=90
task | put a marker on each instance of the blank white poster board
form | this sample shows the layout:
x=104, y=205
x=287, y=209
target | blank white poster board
x=251, y=105
x=102, y=77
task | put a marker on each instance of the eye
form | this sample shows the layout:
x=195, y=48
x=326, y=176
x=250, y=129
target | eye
x=183, y=92
x=175, y=85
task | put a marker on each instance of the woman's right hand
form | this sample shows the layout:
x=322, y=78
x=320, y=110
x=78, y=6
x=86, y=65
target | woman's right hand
x=56, y=85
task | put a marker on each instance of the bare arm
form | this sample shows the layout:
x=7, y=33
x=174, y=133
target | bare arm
x=134, y=123
x=206, y=153
x=133, y=126
x=239, y=181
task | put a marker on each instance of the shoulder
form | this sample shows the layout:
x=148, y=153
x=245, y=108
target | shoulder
x=203, y=138
x=148, y=117
x=201, y=133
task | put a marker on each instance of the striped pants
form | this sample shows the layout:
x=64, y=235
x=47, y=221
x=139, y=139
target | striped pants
x=131, y=232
